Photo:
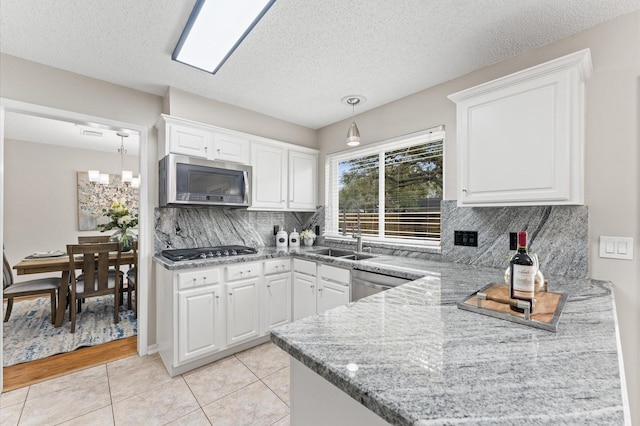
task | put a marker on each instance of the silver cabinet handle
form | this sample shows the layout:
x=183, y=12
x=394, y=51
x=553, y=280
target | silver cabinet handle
x=319, y=289
x=268, y=285
x=230, y=294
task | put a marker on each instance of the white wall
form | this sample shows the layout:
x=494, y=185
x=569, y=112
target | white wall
x=193, y=107
x=41, y=197
x=612, y=156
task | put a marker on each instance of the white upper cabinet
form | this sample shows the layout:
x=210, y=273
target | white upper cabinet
x=284, y=178
x=230, y=147
x=269, y=179
x=303, y=180
x=520, y=138
x=284, y=175
x=180, y=136
x=187, y=140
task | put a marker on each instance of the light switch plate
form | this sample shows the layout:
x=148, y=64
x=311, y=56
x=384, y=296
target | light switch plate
x=616, y=247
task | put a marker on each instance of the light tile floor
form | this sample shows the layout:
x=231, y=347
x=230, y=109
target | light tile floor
x=248, y=388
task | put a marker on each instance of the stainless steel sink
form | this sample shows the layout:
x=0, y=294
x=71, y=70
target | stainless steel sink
x=357, y=256
x=333, y=252
x=342, y=254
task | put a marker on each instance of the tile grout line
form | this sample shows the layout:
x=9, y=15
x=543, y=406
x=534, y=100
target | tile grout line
x=113, y=413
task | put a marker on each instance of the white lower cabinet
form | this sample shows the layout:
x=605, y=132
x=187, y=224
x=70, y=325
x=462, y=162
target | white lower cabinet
x=243, y=311
x=205, y=314
x=318, y=288
x=304, y=295
x=333, y=287
x=276, y=293
x=331, y=295
x=200, y=320
x=243, y=301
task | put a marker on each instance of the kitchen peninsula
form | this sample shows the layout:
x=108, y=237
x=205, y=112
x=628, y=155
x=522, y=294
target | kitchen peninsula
x=410, y=356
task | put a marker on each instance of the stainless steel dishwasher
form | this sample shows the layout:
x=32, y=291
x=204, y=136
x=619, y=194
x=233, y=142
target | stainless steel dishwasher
x=364, y=283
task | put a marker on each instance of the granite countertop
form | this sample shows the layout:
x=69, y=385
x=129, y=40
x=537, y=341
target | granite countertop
x=401, y=266
x=424, y=361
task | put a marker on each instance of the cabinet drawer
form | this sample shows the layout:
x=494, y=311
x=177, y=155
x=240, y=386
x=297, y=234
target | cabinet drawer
x=334, y=274
x=242, y=271
x=277, y=266
x=304, y=266
x=198, y=278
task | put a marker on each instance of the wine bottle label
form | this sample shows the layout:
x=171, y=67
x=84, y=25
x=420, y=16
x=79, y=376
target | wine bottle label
x=523, y=281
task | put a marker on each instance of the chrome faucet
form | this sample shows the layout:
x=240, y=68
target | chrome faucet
x=357, y=236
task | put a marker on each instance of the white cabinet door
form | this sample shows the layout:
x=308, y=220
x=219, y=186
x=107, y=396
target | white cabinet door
x=243, y=311
x=303, y=181
x=277, y=300
x=331, y=294
x=199, y=322
x=304, y=295
x=188, y=140
x=269, y=180
x=229, y=147
x=333, y=287
x=521, y=137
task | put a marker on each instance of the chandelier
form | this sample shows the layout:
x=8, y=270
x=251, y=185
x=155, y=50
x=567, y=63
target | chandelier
x=127, y=178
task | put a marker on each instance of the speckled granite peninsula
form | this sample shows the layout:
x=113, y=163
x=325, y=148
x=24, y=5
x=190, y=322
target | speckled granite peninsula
x=422, y=361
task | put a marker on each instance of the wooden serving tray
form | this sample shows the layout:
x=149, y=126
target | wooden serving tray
x=546, y=312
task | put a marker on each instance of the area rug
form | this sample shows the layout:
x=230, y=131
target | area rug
x=29, y=334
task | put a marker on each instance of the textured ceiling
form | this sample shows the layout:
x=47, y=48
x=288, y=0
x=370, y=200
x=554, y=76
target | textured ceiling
x=304, y=56
x=32, y=128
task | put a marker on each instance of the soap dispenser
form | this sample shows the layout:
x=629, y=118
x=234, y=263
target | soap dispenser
x=294, y=239
x=281, y=239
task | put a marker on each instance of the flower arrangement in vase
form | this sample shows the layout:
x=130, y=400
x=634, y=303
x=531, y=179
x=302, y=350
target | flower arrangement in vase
x=122, y=220
x=308, y=236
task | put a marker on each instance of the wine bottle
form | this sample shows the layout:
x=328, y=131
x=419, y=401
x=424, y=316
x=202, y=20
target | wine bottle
x=523, y=273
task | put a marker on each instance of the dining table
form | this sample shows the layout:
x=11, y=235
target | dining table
x=61, y=264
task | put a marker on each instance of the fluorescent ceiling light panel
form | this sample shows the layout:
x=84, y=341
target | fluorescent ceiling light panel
x=215, y=29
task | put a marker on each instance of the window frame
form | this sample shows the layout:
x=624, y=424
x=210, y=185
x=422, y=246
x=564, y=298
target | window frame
x=332, y=213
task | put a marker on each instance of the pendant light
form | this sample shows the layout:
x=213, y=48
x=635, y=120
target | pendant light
x=353, y=135
x=127, y=175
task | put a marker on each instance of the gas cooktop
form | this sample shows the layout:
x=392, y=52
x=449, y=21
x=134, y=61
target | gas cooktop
x=206, y=252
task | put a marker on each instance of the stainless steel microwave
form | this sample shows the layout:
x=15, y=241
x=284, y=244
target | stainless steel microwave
x=191, y=181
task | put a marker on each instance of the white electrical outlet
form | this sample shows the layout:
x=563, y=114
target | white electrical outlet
x=616, y=247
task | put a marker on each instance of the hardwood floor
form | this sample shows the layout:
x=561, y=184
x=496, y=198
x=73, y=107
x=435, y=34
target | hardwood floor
x=28, y=373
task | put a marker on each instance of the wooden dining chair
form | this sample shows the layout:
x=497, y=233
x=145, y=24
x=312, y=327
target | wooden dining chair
x=93, y=239
x=132, y=280
x=40, y=286
x=95, y=278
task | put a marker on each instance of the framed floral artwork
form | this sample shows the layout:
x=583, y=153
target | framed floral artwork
x=93, y=197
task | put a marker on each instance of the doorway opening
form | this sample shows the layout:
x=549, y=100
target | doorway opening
x=47, y=208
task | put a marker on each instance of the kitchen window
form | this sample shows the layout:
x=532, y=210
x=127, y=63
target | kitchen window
x=395, y=187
